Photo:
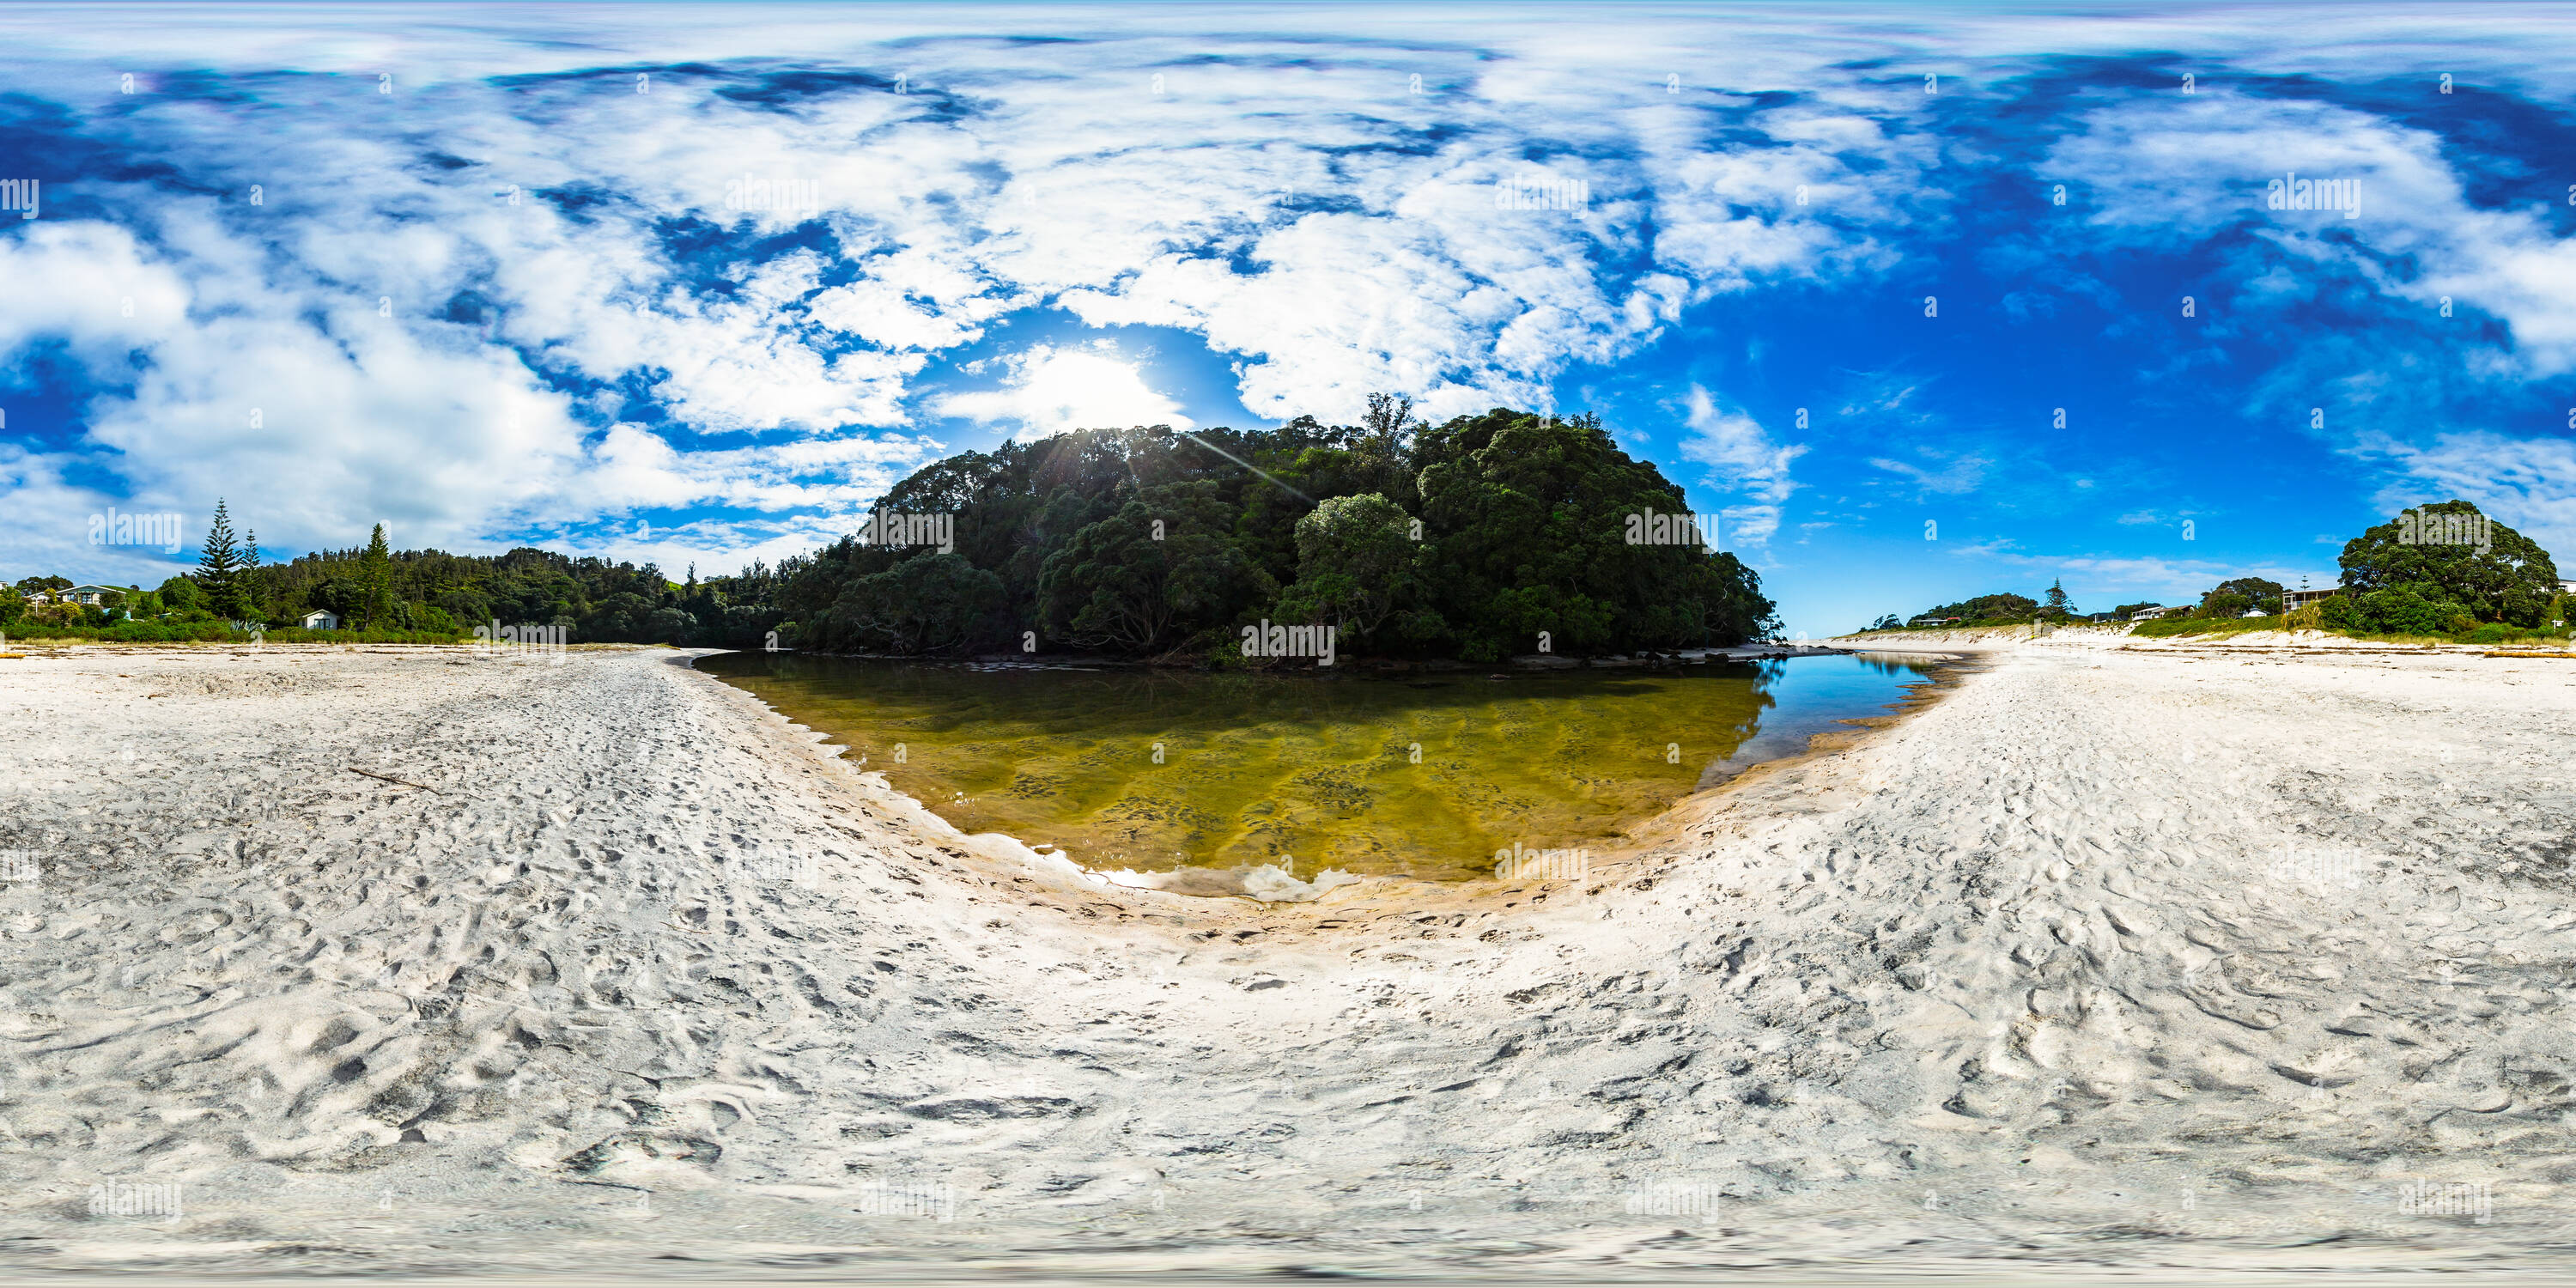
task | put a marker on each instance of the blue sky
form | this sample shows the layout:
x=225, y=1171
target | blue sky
x=496, y=277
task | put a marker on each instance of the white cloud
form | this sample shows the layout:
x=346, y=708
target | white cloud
x=1743, y=460
x=1951, y=474
x=2527, y=484
x=2167, y=170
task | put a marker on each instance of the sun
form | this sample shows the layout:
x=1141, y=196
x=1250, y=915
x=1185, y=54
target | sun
x=1051, y=391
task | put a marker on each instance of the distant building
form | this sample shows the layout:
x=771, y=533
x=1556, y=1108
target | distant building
x=2164, y=610
x=2294, y=600
x=90, y=594
x=321, y=620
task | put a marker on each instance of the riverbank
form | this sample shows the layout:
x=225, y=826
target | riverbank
x=2132, y=960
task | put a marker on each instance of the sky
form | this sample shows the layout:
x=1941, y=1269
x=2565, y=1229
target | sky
x=1923, y=302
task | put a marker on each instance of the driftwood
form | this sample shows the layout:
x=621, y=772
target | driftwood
x=380, y=777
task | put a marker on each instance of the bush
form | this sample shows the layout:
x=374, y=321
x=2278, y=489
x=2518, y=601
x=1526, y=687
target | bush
x=2399, y=610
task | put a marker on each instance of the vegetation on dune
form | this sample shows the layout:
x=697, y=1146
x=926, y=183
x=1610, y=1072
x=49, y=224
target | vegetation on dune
x=2437, y=571
x=383, y=595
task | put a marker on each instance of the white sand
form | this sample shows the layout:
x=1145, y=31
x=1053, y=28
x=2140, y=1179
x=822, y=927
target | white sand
x=2024, y=981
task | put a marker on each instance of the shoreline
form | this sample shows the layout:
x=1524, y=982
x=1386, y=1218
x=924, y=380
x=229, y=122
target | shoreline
x=1193, y=882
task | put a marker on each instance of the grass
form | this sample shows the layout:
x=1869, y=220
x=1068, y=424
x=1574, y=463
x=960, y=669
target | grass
x=2167, y=627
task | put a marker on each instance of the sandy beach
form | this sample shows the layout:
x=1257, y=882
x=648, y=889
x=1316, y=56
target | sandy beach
x=2162, y=960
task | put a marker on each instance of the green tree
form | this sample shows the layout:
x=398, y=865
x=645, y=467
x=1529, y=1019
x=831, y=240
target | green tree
x=2245, y=594
x=2057, y=604
x=2002, y=607
x=928, y=604
x=1108, y=585
x=1527, y=522
x=376, y=580
x=1355, y=565
x=219, y=568
x=2507, y=578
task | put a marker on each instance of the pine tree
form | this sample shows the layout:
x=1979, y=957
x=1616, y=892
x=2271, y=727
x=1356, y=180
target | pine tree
x=2057, y=598
x=219, y=568
x=376, y=579
x=248, y=579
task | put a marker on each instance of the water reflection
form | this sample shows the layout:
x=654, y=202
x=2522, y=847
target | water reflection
x=1424, y=776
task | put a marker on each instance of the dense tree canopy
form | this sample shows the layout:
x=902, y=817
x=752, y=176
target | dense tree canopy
x=2446, y=560
x=1469, y=539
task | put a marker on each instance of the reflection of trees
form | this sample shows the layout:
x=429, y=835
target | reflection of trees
x=1886, y=664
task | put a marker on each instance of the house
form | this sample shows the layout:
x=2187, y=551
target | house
x=2567, y=587
x=90, y=594
x=2151, y=614
x=1933, y=621
x=2294, y=600
x=321, y=620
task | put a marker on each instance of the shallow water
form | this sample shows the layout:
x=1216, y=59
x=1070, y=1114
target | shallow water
x=1421, y=776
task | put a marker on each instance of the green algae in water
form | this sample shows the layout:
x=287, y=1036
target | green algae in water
x=1426, y=776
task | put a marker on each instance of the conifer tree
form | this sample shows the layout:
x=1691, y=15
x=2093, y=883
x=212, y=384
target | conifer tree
x=219, y=568
x=375, y=578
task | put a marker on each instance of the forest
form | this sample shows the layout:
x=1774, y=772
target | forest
x=1480, y=538
x=1486, y=536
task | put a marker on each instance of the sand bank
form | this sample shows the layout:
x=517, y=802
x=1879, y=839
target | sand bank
x=2126, y=958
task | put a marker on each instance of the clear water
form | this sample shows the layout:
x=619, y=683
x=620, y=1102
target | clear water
x=1422, y=776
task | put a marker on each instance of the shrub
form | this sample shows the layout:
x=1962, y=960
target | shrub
x=2399, y=610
